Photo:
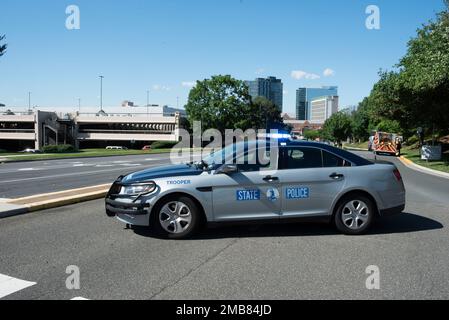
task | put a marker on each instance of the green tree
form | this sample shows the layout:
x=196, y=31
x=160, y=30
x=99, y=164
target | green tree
x=417, y=92
x=361, y=121
x=312, y=134
x=221, y=102
x=263, y=114
x=338, y=127
x=390, y=126
x=2, y=46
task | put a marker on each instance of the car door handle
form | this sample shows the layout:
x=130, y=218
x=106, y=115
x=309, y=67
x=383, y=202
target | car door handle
x=270, y=179
x=336, y=176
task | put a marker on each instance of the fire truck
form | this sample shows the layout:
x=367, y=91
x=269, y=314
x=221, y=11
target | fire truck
x=386, y=143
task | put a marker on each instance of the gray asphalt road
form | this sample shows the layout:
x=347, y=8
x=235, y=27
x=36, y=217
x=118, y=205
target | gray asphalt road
x=267, y=262
x=28, y=178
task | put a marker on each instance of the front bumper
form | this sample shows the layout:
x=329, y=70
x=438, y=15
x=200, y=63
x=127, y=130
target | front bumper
x=114, y=207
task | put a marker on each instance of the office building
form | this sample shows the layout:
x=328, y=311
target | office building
x=305, y=95
x=322, y=108
x=270, y=88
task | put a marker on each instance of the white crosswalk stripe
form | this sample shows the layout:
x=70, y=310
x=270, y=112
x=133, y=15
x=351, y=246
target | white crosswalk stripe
x=10, y=285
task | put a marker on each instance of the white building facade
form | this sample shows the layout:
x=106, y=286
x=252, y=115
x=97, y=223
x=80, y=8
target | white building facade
x=323, y=108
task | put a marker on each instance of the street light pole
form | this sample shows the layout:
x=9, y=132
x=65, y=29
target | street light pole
x=148, y=102
x=101, y=93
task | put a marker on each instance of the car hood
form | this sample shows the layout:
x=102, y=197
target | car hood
x=162, y=172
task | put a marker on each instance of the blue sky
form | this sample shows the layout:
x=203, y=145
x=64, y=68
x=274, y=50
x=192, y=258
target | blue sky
x=164, y=45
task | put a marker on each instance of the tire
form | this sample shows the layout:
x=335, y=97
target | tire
x=354, y=215
x=176, y=217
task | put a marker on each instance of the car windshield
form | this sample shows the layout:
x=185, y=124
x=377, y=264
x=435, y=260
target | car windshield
x=241, y=152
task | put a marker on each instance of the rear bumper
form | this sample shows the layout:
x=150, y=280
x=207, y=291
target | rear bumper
x=392, y=211
x=114, y=208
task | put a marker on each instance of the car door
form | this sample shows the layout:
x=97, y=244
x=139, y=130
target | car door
x=252, y=193
x=311, y=179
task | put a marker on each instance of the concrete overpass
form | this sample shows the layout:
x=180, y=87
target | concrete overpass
x=41, y=128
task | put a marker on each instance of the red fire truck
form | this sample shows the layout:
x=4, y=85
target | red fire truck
x=387, y=143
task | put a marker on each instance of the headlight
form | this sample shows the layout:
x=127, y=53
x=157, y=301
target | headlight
x=138, y=188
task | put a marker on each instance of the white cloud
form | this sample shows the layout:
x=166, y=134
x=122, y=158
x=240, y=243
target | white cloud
x=188, y=84
x=328, y=72
x=299, y=74
x=158, y=87
x=260, y=71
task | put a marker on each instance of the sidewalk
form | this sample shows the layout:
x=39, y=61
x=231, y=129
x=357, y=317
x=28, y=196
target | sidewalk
x=410, y=164
x=13, y=207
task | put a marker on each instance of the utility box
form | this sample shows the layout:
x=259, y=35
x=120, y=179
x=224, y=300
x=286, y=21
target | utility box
x=431, y=153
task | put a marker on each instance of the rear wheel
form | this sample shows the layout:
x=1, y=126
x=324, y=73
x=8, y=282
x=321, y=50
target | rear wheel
x=354, y=215
x=176, y=217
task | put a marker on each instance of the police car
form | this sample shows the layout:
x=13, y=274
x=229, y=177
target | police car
x=302, y=180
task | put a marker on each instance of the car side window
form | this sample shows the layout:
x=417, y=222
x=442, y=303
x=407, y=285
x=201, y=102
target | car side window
x=332, y=161
x=302, y=158
x=249, y=162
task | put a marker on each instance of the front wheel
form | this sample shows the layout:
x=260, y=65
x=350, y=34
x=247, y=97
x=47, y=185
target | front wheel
x=354, y=215
x=176, y=217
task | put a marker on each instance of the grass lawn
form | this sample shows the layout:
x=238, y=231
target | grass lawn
x=80, y=154
x=361, y=145
x=413, y=155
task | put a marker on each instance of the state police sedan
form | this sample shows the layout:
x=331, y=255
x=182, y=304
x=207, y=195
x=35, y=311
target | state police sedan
x=303, y=180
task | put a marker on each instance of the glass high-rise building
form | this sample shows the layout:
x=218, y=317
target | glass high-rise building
x=270, y=88
x=305, y=95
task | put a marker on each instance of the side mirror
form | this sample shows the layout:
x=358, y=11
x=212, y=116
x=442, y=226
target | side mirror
x=227, y=169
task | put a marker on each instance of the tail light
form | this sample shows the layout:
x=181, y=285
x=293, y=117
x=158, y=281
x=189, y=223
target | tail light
x=397, y=174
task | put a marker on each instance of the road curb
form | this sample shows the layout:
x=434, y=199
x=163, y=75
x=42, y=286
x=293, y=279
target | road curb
x=355, y=149
x=13, y=212
x=52, y=200
x=410, y=164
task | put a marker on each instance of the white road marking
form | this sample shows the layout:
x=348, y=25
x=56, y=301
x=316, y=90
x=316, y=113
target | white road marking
x=27, y=169
x=130, y=164
x=10, y=285
x=79, y=298
x=66, y=175
x=118, y=162
x=104, y=165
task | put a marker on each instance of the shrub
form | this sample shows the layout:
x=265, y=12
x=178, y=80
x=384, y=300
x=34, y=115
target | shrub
x=2, y=151
x=163, y=145
x=62, y=148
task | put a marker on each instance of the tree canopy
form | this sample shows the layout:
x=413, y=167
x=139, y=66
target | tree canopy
x=221, y=102
x=416, y=92
x=338, y=127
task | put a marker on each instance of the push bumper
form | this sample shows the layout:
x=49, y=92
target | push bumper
x=392, y=211
x=114, y=207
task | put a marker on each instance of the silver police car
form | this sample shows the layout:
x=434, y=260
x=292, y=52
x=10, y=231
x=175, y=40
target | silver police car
x=302, y=180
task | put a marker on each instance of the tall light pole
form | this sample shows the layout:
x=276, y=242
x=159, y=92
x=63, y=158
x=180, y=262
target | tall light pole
x=101, y=93
x=148, y=102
